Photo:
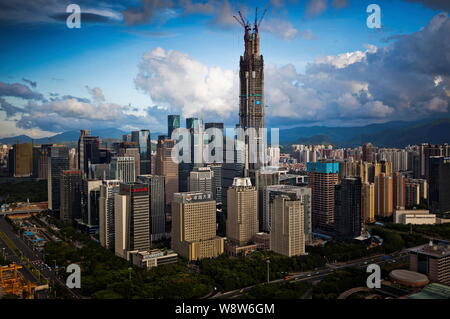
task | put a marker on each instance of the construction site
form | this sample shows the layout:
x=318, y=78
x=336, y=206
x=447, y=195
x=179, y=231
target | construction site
x=13, y=283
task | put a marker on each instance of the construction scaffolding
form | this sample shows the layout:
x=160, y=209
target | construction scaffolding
x=12, y=282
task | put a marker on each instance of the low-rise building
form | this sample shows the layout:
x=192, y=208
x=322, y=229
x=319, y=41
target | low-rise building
x=415, y=217
x=153, y=258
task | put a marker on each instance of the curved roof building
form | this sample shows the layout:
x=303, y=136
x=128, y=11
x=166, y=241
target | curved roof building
x=409, y=278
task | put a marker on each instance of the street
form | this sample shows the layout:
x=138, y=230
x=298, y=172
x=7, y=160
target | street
x=321, y=273
x=35, y=257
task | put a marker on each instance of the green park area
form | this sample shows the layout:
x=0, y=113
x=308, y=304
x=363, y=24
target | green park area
x=12, y=192
x=107, y=276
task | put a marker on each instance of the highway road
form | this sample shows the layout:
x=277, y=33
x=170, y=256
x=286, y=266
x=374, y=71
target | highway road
x=33, y=256
x=321, y=273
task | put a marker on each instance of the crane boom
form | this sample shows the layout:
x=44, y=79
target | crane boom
x=262, y=17
x=239, y=21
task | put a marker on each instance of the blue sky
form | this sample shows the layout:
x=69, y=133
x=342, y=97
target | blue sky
x=132, y=63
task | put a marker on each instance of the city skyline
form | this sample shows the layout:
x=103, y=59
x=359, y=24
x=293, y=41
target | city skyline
x=196, y=197
x=37, y=100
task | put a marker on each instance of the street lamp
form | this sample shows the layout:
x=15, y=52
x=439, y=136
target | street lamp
x=268, y=269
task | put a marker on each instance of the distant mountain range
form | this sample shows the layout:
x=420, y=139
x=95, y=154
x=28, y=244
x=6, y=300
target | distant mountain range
x=390, y=134
x=70, y=136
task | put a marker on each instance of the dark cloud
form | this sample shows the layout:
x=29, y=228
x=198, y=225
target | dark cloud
x=443, y=5
x=10, y=109
x=33, y=84
x=19, y=90
x=51, y=11
x=146, y=11
x=408, y=79
x=86, y=17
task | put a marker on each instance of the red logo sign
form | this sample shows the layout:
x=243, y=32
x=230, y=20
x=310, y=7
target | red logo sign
x=140, y=190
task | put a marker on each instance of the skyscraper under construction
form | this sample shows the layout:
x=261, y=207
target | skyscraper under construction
x=251, y=99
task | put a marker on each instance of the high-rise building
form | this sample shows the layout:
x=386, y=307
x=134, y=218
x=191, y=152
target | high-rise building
x=423, y=188
x=157, y=206
x=217, y=125
x=58, y=161
x=242, y=211
x=430, y=150
x=273, y=154
x=123, y=169
x=100, y=171
x=298, y=192
x=439, y=186
x=193, y=123
x=22, y=160
x=196, y=147
x=287, y=225
x=234, y=167
x=90, y=203
x=142, y=138
x=368, y=203
x=412, y=194
x=384, y=203
x=368, y=153
x=131, y=149
x=126, y=138
x=217, y=181
x=218, y=145
x=44, y=155
x=194, y=226
x=166, y=167
x=73, y=159
x=323, y=176
x=398, y=187
x=173, y=122
x=349, y=168
x=263, y=177
x=201, y=179
x=108, y=190
x=347, y=209
x=386, y=167
x=88, y=151
x=251, y=102
x=70, y=195
x=132, y=219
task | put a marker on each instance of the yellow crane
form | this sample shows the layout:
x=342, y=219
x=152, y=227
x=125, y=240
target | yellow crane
x=12, y=282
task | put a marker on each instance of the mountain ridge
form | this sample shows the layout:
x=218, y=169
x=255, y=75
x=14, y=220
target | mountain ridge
x=389, y=134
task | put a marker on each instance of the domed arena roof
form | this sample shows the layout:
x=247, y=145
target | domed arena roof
x=409, y=278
